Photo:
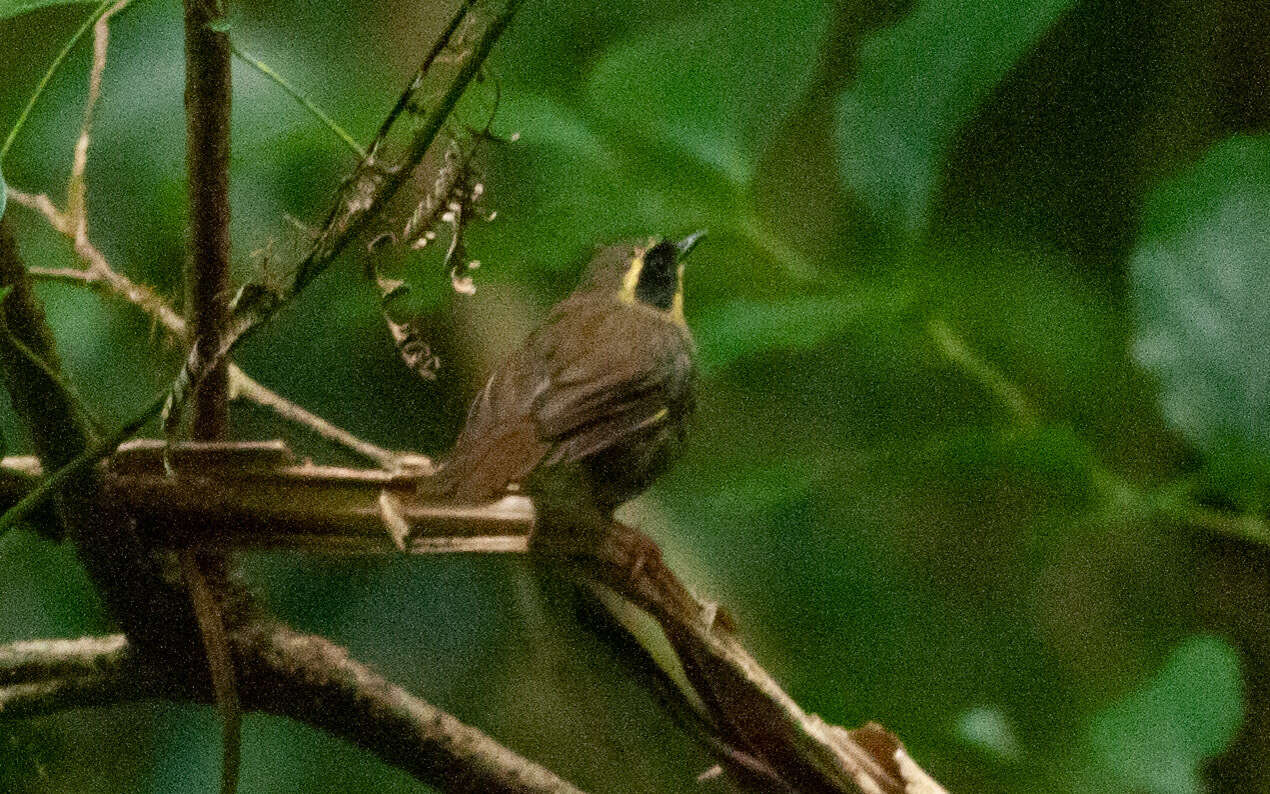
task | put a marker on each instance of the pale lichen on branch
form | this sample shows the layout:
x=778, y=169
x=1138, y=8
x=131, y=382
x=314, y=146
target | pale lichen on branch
x=451, y=202
x=373, y=184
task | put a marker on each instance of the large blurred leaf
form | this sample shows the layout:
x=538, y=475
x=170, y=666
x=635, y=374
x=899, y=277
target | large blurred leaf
x=1201, y=274
x=716, y=84
x=742, y=327
x=663, y=140
x=560, y=189
x=917, y=82
x=552, y=43
x=568, y=185
x=1155, y=738
x=12, y=8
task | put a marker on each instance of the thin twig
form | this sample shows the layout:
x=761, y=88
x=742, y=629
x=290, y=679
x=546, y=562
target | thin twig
x=220, y=662
x=42, y=204
x=101, y=276
x=322, y=116
x=416, y=82
x=40, y=660
x=76, y=186
x=421, y=141
x=979, y=369
x=243, y=385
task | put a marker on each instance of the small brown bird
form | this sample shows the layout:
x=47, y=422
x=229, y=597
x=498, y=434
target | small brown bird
x=596, y=399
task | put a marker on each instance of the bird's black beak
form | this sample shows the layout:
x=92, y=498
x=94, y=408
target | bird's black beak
x=688, y=243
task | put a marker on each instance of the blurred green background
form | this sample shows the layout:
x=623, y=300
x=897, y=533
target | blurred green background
x=984, y=431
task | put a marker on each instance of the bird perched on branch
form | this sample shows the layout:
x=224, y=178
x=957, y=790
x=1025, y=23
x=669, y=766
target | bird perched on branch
x=595, y=403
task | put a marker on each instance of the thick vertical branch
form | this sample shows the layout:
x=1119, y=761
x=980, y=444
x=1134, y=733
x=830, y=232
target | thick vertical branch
x=207, y=126
x=207, y=118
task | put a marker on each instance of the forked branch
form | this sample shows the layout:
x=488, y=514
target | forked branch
x=256, y=496
x=304, y=677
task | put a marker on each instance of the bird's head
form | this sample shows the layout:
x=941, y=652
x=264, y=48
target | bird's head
x=648, y=273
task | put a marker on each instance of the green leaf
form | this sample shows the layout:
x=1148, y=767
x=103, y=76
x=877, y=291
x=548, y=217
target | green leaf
x=714, y=84
x=560, y=187
x=743, y=327
x=97, y=13
x=1200, y=275
x=1155, y=738
x=918, y=81
x=4, y=195
x=1053, y=455
x=13, y=8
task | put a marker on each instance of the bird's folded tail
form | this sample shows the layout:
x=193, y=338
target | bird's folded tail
x=481, y=469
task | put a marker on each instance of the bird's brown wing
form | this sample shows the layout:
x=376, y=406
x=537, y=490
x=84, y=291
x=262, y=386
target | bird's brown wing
x=614, y=373
x=594, y=373
x=500, y=443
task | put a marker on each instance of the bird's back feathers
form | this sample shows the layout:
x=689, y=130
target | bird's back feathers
x=600, y=376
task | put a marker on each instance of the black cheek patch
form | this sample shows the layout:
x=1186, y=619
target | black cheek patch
x=658, y=280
